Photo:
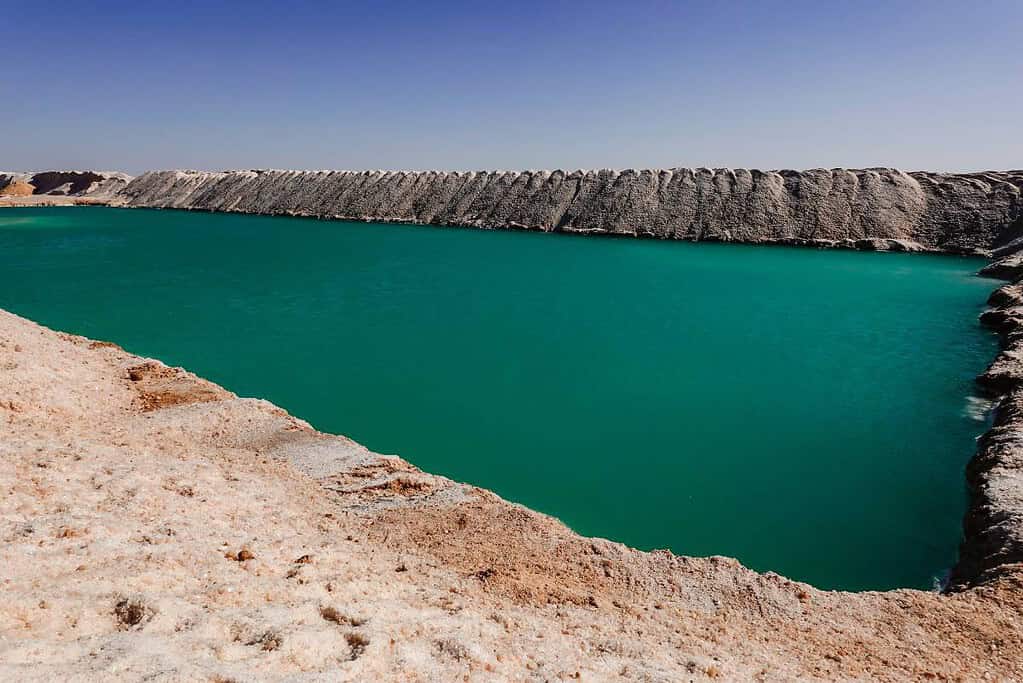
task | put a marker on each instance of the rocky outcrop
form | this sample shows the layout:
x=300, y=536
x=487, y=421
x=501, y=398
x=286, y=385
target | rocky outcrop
x=866, y=209
x=993, y=526
x=92, y=184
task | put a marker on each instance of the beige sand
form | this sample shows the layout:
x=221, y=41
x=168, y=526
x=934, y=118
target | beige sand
x=156, y=527
x=17, y=188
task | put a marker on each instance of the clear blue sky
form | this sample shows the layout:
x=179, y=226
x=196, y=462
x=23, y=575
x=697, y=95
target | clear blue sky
x=511, y=85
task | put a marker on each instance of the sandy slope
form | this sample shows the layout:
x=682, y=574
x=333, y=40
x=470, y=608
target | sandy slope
x=17, y=188
x=156, y=527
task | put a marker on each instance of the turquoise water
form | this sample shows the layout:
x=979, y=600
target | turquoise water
x=804, y=411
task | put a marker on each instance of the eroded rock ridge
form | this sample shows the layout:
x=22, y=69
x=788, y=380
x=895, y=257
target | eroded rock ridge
x=867, y=209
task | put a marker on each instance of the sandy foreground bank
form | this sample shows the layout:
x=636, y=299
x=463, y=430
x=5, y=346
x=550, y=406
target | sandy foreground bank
x=157, y=527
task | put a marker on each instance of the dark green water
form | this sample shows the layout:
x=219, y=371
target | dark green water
x=804, y=411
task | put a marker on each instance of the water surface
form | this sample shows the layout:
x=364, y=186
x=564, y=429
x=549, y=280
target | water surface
x=804, y=411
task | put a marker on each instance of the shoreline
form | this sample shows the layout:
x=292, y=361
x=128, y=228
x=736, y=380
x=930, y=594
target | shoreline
x=993, y=525
x=989, y=541
x=876, y=244
x=44, y=200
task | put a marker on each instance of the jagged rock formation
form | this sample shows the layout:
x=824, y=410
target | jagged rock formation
x=101, y=186
x=867, y=209
x=993, y=526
